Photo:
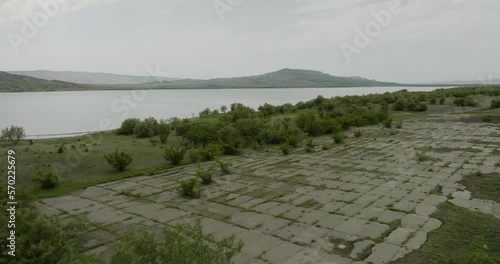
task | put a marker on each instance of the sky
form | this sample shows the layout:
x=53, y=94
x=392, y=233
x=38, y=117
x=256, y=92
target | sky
x=407, y=41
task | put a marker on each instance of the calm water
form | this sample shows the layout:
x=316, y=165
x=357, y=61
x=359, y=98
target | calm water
x=56, y=113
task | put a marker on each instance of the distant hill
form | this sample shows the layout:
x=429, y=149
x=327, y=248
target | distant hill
x=19, y=83
x=285, y=78
x=91, y=77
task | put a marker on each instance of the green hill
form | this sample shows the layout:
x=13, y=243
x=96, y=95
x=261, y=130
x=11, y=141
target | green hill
x=95, y=78
x=285, y=78
x=19, y=83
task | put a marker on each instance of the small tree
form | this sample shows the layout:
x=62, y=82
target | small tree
x=127, y=127
x=163, y=132
x=146, y=128
x=46, y=180
x=13, y=134
x=119, y=160
x=223, y=109
x=174, y=154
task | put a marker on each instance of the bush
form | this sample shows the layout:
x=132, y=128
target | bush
x=285, y=148
x=224, y=166
x=60, y=150
x=495, y=103
x=127, y=127
x=146, y=128
x=465, y=101
x=442, y=99
x=230, y=140
x=387, y=123
x=209, y=152
x=39, y=238
x=163, y=132
x=194, y=156
x=13, y=134
x=309, y=149
x=183, y=244
x=399, y=124
x=119, y=160
x=325, y=147
x=487, y=118
x=205, y=175
x=358, y=134
x=202, y=133
x=46, y=180
x=310, y=123
x=190, y=188
x=338, y=137
x=175, y=154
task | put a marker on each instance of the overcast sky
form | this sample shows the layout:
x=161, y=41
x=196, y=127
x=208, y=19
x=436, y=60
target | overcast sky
x=425, y=41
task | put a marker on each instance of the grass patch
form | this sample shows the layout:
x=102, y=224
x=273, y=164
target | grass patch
x=451, y=241
x=483, y=186
x=392, y=226
x=437, y=190
x=67, y=188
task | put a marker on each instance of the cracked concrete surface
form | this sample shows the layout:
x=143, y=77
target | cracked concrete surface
x=323, y=207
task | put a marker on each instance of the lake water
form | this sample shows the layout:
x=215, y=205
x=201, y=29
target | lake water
x=45, y=114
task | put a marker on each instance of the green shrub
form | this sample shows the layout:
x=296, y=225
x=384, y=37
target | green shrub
x=39, y=238
x=183, y=244
x=358, y=134
x=338, y=137
x=202, y=133
x=224, y=166
x=205, y=174
x=60, y=150
x=325, y=147
x=285, y=148
x=442, y=99
x=310, y=123
x=13, y=134
x=387, y=123
x=175, y=154
x=495, y=103
x=487, y=118
x=127, y=127
x=146, y=128
x=163, y=132
x=46, y=180
x=153, y=141
x=190, y=188
x=230, y=140
x=309, y=149
x=194, y=156
x=310, y=143
x=465, y=101
x=119, y=160
x=209, y=152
